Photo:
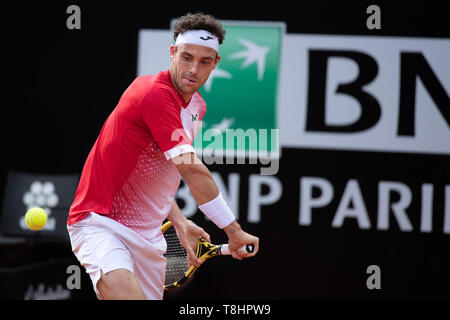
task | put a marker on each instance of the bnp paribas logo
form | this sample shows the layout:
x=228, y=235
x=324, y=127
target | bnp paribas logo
x=242, y=95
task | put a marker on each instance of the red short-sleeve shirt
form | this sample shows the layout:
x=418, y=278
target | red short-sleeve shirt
x=127, y=175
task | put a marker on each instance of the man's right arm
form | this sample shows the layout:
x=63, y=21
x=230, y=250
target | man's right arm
x=205, y=193
x=197, y=176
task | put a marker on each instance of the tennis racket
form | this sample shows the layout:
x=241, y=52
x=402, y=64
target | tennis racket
x=177, y=268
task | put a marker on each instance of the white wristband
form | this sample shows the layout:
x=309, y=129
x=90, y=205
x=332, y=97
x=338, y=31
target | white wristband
x=218, y=211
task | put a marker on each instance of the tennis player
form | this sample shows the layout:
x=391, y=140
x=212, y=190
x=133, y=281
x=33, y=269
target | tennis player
x=130, y=178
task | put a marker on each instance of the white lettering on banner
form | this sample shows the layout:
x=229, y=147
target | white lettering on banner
x=352, y=194
x=385, y=190
x=447, y=210
x=365, y=93
x=426, y=219
x=256, y=199
x=308, y=202
x=230, y=194
x=394, y=202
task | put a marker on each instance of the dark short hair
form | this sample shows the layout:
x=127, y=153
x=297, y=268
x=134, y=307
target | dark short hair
x=197, y=21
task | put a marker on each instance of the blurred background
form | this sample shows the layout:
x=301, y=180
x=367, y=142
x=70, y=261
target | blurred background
x=362, y=107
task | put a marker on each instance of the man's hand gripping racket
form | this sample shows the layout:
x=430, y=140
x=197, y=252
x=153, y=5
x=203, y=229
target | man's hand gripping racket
x=178, y=269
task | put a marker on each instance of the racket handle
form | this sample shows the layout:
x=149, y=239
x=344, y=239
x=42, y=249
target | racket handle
x=249, y=248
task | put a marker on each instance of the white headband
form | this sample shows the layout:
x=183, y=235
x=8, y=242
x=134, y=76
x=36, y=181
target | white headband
x=199, y=37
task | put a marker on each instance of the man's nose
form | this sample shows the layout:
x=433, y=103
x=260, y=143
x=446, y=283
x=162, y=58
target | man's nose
x=194, y=69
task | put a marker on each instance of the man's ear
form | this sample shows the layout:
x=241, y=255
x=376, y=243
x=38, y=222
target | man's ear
x=217, y=60
x=173, y=50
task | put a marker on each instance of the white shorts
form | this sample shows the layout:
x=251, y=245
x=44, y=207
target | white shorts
x=102, y=244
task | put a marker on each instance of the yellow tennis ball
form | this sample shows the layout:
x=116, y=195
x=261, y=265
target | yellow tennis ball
x=36, y=218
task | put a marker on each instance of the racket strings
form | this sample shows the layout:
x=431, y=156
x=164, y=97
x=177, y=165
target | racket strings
x=177, y=262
